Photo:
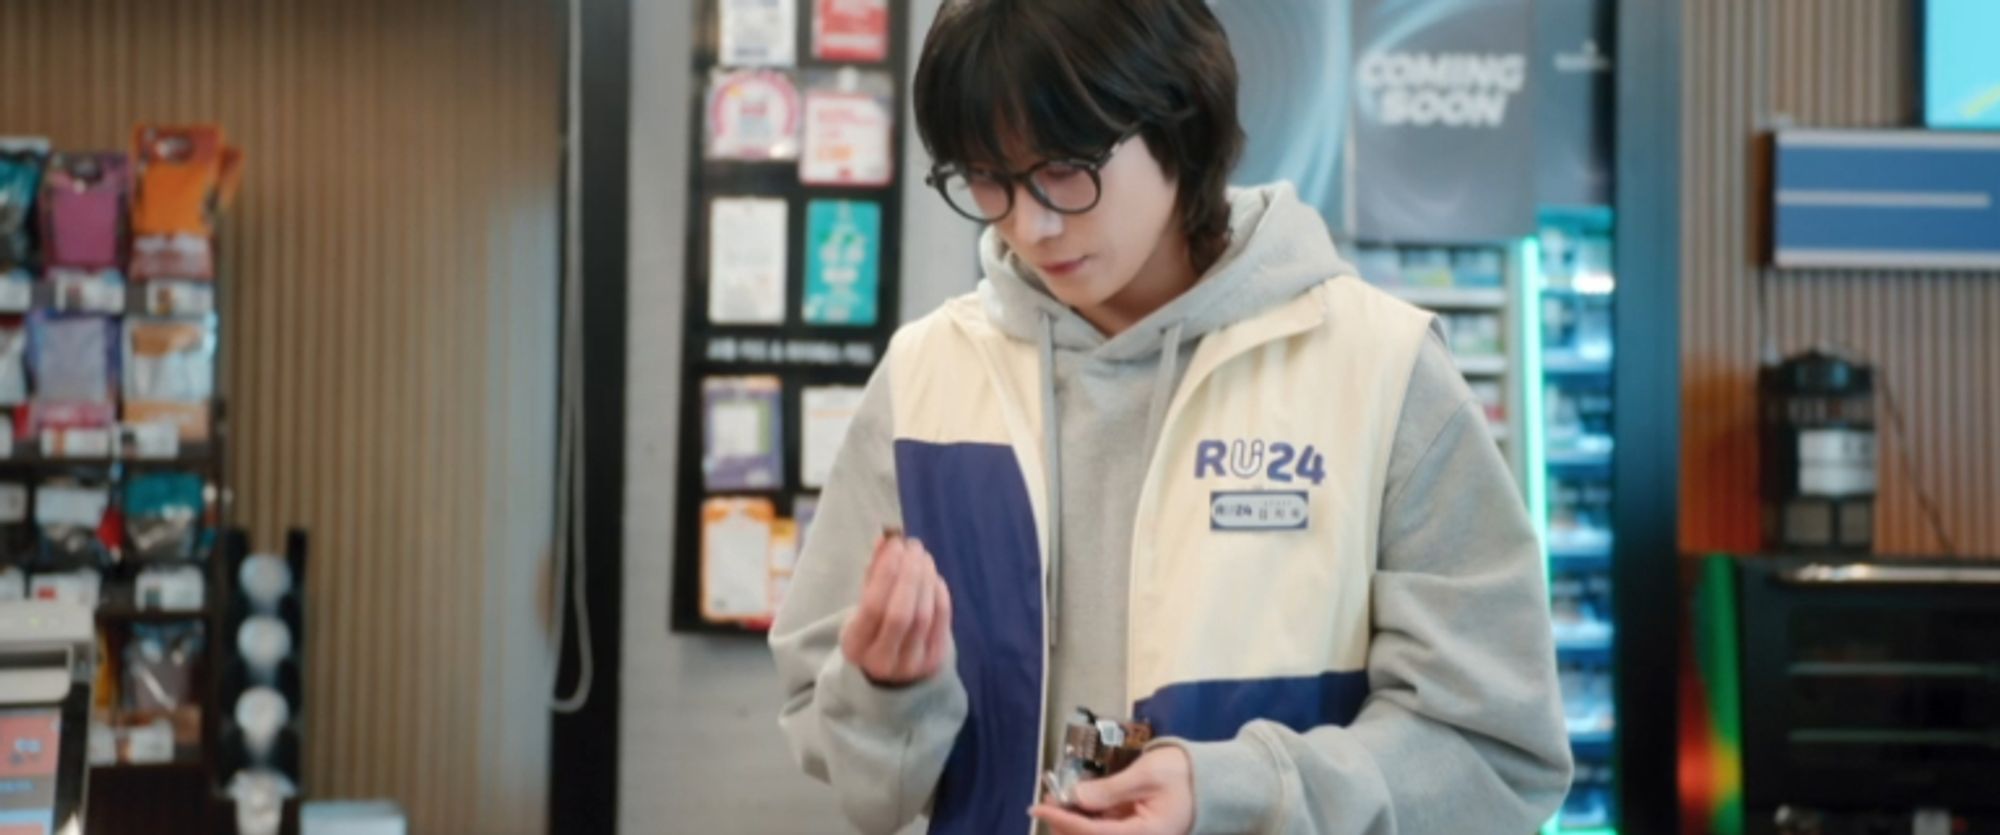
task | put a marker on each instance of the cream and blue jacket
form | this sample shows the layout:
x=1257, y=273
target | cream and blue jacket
x=1253, y=624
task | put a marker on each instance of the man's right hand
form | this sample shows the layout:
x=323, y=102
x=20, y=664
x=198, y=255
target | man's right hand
x=901, y=633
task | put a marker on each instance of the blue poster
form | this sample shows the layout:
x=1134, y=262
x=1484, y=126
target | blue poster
x=1442, y=120
x=843, y=262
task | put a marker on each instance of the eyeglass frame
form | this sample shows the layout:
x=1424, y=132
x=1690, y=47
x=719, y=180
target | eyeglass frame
x=1089, y=165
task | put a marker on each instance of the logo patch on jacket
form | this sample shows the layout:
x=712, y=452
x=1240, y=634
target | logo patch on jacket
x=1259, y=510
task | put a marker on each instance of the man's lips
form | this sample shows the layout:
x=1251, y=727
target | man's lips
x=1063, y=267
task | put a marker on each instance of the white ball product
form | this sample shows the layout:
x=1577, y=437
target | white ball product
x=264, y=641
x=265, y=580
x=261, y=712
x=260, y=800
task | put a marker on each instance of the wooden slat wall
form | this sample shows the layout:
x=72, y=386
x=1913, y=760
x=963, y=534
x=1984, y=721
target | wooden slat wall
x=389, y=334
x=1935, y=337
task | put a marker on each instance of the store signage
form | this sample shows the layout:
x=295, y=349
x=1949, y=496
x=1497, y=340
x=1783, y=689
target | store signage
x=1451, y=89
x=1573, y=102
x=1443, y=130
x=1890, y=199
x=756, y=350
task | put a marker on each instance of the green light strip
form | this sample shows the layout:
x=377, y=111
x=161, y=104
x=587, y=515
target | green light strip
x=1532, y=424
x=1528, y=306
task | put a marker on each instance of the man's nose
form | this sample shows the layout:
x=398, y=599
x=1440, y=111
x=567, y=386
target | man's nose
x=1032, y=221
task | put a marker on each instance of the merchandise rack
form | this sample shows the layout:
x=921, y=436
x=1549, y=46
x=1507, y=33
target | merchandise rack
x=179, y=796
x=860, y=347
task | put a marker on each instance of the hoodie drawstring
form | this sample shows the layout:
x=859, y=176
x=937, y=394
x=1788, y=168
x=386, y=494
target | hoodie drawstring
x=1052, y=443
x=1163, y=386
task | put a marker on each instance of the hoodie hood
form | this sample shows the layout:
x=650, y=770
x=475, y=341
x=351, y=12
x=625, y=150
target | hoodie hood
x=1278, y=248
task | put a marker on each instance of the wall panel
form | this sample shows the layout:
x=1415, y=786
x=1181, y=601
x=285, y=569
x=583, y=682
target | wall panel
x=1753, y=66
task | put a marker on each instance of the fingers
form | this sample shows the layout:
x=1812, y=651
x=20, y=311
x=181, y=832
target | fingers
x=901, y=630
x=1105, y=794
x=879, y=582
x=899, y=610
x=910, y=658
x=875, y=560
x=1061, y=821
x=1066, y=822
x=1153, y=795
x=940, y=638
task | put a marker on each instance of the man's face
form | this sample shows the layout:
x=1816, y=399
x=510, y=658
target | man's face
x=1086, y=259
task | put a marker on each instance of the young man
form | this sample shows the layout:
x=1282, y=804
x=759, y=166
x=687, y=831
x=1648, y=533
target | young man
x=1173, y=459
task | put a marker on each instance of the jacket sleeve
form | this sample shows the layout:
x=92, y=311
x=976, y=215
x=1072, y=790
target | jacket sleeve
x=881, y=749
x=1463, y=728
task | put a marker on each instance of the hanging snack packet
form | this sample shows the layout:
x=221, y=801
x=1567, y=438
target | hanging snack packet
x=70, y=512
x=72, y=358
x=83, y=210
x=185, y=174
x=73, y=361
x=21, y=165
x=160, y=678
x=13, y=362
x=170, y=374
x=163, y=515
x=17, y=529
x=180, y=169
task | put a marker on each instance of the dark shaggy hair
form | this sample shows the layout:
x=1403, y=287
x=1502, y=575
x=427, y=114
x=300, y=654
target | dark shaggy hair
x=1069, y=78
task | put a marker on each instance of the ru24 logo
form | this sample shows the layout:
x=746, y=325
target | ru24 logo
x=1247, y=459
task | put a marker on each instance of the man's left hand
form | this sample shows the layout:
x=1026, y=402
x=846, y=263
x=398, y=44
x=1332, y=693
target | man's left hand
x=1153, y=796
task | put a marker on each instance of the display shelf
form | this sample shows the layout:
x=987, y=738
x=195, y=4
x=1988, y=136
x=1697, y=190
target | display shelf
x=1591, y=742
x=1486, y=366
x=1564, y=456
x=1569, y=363
x=1572, y=292
x=190, y=456
x=127, y=614
x=1584, y=646
x=1450, y=298
x=1585, y=651
x=1584, y=559
x=1579, y=540
x=174, y=768
x=1579, y=459
x=1580, y=547
x=167, y=797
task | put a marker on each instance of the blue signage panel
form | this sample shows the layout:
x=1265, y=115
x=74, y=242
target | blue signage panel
x=1887, y=199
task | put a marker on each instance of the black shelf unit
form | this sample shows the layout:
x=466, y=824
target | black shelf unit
x=231, y=677
x=126, y=614
x=1869, y=691
x=178, y=796
x=712, y=179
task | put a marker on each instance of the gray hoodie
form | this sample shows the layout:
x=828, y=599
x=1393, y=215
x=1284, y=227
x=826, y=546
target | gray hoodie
x=1463, y=729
